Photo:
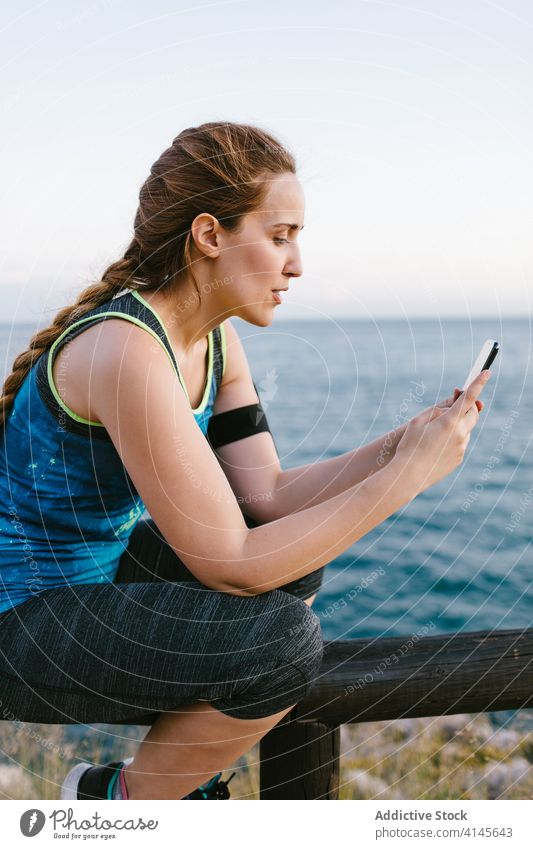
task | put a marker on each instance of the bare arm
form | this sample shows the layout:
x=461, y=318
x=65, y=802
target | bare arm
x=297, y=544
x=253, y=468
x=433, y=444
x=306, y=486
x=139, y=400
x=148, y=417
x=252, y=465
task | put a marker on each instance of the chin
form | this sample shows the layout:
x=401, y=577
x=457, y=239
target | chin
x=258, y=317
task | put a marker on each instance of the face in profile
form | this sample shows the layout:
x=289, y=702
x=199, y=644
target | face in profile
x=263, y=255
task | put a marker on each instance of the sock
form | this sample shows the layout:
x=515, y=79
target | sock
x=104, y=782
x=119, y=791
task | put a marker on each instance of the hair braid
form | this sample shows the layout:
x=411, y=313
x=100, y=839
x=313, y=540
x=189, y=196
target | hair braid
x=114, y=279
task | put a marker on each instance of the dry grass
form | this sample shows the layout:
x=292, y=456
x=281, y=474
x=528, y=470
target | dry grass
x=455, y=757
x=452, y=757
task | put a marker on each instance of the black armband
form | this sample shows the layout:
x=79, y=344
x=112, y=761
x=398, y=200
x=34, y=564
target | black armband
x=232, y=425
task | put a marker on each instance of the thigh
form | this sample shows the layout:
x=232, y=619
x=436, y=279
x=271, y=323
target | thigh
x=109, y=652
x=150, y=558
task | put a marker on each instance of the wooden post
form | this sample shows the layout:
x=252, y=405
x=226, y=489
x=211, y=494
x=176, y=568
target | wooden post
x=300, y=760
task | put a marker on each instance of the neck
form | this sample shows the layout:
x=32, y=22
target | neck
x=186, y=320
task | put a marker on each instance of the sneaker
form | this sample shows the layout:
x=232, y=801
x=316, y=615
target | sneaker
x=86, y=781
x=214, y=789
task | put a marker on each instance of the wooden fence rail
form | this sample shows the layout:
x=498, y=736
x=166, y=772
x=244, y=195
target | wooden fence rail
x=391, y=678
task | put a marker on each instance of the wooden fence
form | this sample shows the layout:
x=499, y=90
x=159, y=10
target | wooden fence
x=372, y=679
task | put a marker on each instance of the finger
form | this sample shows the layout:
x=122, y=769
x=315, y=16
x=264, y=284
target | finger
x=479, y=404
x=470, y=418
x=455, y=396
x=456, y=393
x=466, y=400
x=447, y=402
x=428, y=414
x=434, y=413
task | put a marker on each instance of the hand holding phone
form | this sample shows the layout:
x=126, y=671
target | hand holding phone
x=483, y=361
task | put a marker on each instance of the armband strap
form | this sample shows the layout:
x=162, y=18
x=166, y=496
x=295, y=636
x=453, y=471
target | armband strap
x=239, y=423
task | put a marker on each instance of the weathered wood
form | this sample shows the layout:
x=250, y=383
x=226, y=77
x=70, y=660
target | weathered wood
x=300, y=761
x=390, y=678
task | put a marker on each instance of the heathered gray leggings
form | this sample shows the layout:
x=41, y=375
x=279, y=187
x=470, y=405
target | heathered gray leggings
x=156, y=639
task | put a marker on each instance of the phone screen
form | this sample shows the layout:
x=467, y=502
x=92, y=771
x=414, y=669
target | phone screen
x=484, y=360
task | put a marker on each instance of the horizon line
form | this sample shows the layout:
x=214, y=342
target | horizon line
x=421, y=317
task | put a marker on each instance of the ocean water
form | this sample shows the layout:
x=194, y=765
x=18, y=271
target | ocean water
x=457, y=558
x=460, y=554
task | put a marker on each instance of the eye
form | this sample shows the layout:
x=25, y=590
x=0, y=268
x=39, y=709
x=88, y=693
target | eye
x=281, y=241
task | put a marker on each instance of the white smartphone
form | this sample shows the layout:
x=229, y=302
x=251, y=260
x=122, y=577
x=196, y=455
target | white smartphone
x=484, y=360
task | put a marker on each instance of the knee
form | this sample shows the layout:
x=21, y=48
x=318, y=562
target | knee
x=298, y=637
x=304, y=647
x=288, y=663
x=298, y=630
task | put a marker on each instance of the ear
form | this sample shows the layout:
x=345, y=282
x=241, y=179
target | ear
x=205, y=231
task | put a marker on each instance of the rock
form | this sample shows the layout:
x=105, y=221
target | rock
x=15, y=783
x=347, y=740
x=364, y=785
x=504, y=739
x=450, y=726
x=499, y=778
x=412, y=727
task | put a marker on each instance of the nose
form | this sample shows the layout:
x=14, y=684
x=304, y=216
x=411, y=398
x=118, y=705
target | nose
x=293, y=266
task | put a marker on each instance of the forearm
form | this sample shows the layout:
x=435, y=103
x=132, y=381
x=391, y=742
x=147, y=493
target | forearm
x=293, y=546
x=306, y=486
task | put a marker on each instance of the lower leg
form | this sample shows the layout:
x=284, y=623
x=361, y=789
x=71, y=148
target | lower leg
x=185, y=749
x=200, y=736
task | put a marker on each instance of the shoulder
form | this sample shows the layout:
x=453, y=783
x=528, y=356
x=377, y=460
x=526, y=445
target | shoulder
x=108, y=353
x=136, y=394
x=125, y=350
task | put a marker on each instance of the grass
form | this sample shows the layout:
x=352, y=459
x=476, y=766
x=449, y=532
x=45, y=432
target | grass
x=455, y=757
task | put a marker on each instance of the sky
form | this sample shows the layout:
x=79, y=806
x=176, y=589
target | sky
x=411, y=123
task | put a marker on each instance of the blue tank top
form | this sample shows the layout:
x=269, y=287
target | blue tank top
x=67, y=503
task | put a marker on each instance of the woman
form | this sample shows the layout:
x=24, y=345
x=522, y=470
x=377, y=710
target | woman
x=198, y=619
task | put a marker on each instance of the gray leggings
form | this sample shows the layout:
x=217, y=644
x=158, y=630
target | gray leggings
x=154, y=639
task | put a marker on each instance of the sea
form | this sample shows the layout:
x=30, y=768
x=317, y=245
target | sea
x=458, y=558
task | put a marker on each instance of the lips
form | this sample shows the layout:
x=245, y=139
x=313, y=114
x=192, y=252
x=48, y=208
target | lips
x=277, y=294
